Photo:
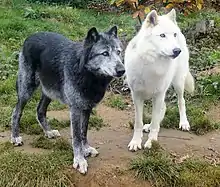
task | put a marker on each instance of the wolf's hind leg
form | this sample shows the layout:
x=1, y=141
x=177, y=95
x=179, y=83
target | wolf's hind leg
x=178, y=84
x=41, y=117
x=25, y=86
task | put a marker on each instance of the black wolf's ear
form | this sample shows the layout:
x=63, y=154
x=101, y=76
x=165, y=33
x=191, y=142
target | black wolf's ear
x=113, y=31
x=92, y=36
x=152, y=18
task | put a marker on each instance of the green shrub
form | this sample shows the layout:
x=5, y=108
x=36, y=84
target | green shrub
x=74, y=3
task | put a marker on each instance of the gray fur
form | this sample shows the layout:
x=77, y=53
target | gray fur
x=75, y=73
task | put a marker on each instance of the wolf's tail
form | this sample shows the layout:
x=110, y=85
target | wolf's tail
x=189, y=83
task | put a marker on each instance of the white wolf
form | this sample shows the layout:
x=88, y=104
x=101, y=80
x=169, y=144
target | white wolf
x=154, y=59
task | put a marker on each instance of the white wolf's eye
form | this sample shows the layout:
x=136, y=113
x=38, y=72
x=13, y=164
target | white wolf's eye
x=118, y=52
x=175, y=34
x=162, y=35
x=105, y=53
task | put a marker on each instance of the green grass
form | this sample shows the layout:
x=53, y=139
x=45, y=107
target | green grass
x=19, y=169
x=199, y=121
x=96, y=122
x=116, y=101
x=164, y=170
x=55, y=144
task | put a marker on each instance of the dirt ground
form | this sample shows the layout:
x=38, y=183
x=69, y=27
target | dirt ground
x=111, y=167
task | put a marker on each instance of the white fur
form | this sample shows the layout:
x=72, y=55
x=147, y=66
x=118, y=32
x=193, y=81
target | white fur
x=80, y=164
x=17, y=141
x=150, y=70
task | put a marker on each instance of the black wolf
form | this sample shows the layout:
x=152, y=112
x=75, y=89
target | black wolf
x=75, y=73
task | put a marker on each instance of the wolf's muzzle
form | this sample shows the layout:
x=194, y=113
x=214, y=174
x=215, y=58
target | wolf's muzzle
x=120, y=70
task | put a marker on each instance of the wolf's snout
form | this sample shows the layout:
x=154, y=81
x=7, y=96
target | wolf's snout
x=120, y=70
x=176, y=52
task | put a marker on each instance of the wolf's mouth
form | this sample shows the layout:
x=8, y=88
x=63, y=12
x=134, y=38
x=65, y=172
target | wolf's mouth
x=174, y=56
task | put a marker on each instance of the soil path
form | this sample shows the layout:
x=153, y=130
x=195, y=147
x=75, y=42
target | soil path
x=110, y=168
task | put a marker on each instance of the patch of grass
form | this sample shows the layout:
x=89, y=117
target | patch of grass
x=209, y=86
x=199, y=121
x=29, y=124
x=116, y=101
x=191, y=19
x=20, y=169
x=55, y=144
x=163, y=170
x=96, y=122
x=56, y=105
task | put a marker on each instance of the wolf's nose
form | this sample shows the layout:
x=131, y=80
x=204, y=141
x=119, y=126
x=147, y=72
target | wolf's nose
x=120, y=72
x=176, y=52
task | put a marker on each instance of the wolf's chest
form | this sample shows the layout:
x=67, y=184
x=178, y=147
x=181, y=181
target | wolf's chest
x=151, y=78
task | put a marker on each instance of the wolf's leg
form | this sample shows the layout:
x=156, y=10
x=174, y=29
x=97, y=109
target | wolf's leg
x=159, y=109
x=41, y=117
x=88, y=150
x=79, y=162
x=178, y=84
x=135, y=143
x=25, y=86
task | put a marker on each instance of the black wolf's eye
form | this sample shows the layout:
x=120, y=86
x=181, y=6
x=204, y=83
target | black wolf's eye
x=105, y=53
x=162, y=35
x=118, y=52
x=175, y=34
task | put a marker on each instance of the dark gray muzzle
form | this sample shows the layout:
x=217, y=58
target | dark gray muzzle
x=120, y=70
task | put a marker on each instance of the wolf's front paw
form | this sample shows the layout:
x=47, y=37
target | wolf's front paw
x=90, y=151
x=17, y=141
x=52, y=134
x=148, y=144
x=135, y=144
x=184, y=126
x=80, y=164
x=153, y=135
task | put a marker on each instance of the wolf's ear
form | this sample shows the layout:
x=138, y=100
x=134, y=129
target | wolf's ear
x=92, y=36
x=113, y=31
x=172, y=15
x=152, y=18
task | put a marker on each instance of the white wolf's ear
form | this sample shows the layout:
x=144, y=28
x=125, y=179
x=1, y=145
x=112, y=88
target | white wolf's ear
x=92, y=36
x=172, y=15
x=113, y=31
x=152, y=18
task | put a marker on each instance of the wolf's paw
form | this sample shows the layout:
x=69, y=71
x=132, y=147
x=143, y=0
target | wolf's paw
x=152, y=136
x=90, y=151
x=80, y=164
x=146, y=128
x=17, y=141
x=52, y=134
x=135, y=144
x=148, y=144
x=184, y=126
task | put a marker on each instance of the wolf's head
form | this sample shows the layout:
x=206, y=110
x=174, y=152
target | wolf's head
x=103, y=53
x=163, y=33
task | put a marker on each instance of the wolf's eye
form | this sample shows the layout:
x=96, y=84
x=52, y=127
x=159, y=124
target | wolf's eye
x=118, y=52
x=175, y=34
x=105, y=53
x=162, y=35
